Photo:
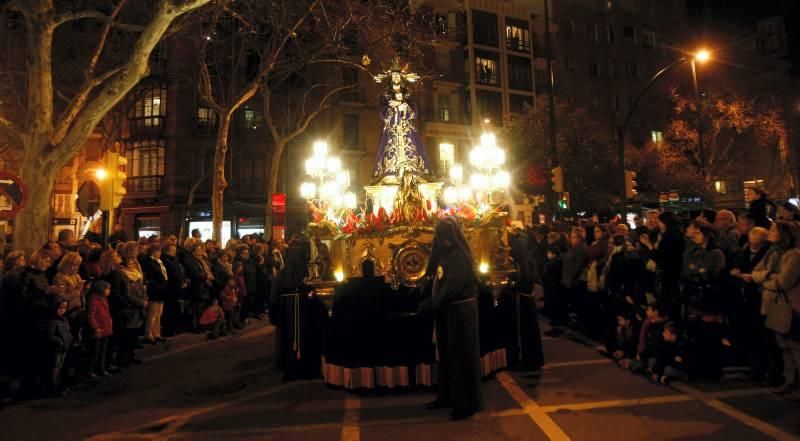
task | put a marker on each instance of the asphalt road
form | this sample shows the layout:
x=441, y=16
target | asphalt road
x=227, y=389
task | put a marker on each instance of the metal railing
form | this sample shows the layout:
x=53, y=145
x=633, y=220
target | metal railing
x=139, y=184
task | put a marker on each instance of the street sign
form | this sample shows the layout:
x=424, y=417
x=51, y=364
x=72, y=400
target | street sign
x=13, y=195
x=88, y=198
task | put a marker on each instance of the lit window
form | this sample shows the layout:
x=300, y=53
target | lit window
x=486, y=70
x=252, y=119
x=518, y=36
x=656, y=136
x=721, y=187
x=206, y=117
x=150, y=109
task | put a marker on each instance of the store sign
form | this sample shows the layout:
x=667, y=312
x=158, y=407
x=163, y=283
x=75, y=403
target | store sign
x=279, y=215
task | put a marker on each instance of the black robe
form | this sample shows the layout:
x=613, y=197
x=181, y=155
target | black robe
x=455, y=305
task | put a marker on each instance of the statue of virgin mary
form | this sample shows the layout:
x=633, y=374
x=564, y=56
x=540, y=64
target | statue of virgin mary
x=400, y=150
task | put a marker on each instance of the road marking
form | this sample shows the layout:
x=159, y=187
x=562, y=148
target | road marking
x=173, y=423
x=617, y=403
x=247, y=334
x=350, y=429
x=737, y=414
x=548, y=426
x=577, y=363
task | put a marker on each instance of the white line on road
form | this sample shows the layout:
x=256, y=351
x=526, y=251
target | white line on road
x=350, y=429
x=539, y=416
x=737, y=414
x=577, y=363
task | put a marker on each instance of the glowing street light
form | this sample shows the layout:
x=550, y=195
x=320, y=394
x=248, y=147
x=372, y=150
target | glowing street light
x=100, y=174
x=702, y=56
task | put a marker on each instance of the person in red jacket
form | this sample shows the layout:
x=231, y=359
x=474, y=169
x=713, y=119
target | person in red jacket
x=100, y=323
x=213, y=320
x=229, y=297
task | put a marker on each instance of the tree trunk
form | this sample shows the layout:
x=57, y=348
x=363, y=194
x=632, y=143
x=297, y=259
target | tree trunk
x=274, y=170
x=32, y=225
x=219, y=184
x=189, y=203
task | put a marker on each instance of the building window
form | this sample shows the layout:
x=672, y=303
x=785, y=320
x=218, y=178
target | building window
x=252, y=118
x=484, y=28
x=632, y=69
x=517, y=103
x=251, y=175
x=629, y=33
x=446, y=24
x=350, y=132
x=444, y=108
x=518, y=37
x=148, y=226
x=656, y=136
x=150, y=108
x=145, y=164
x=612, y=71
x=593, y=32
x=519, y=73
x=569, y=28
x=490, y=106
x=610, y=34
x=594, y=70
x=350, y=78
x=721, y=187
x=206, y=117
x=570, y=63
x=486, y=70
x=648, y=40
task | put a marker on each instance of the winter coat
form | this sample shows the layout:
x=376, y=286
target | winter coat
x=127, y=307
x=668, y=255
x=778, y=272
x=99, y=316
x=650, y=337
x=229, y=298
x=667, y=354
x=13, y=308
x=33, y=292
x=175, y=275
x=222, y=273
x=576, y=260
x=196, y=273
x=211, y=315
x=155, y=279
x=58, y=332
x=73, y=290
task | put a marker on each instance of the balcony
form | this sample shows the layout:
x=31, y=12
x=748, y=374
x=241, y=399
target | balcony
x=143, y=184
x=446, y=116
x=147, y=124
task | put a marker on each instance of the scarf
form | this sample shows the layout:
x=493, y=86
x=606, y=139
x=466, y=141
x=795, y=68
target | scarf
x=134, y=274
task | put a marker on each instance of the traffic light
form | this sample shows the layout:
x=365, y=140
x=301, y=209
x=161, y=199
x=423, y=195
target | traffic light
x=630, y=184
x=558, y=179
x=563, y=202
x=113, y=185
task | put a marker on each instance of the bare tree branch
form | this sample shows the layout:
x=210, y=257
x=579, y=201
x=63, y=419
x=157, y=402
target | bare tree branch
x=99, y=16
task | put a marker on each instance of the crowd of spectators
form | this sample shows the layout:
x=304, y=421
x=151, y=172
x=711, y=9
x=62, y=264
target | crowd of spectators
x=679, y=299
x=74, y=310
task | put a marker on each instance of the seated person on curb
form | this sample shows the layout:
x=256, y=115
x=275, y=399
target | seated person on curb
x=622, y=347
x=649, y=339
x=213, y=320
x=671, y=360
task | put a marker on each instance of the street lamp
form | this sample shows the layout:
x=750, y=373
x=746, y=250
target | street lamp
x=100, y=174
x=329, y=193
x=701, y=56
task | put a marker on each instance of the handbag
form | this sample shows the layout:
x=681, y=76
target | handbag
x=779, y=313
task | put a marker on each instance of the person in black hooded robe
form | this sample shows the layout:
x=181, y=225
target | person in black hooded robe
x=454, y=304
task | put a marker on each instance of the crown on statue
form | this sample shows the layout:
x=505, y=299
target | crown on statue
x=396, y=67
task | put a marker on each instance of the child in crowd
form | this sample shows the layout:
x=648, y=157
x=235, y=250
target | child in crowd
x=60, y=338
x=670, y=357
x=649, y=339
x=213, y=320
x=229, y=297
x=101, y=325
x=622, y=347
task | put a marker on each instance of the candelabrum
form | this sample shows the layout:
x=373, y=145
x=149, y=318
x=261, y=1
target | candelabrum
x=488, y=178
x=327, y=191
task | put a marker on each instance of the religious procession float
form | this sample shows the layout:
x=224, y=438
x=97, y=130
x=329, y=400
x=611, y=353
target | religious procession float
x=367, y=264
